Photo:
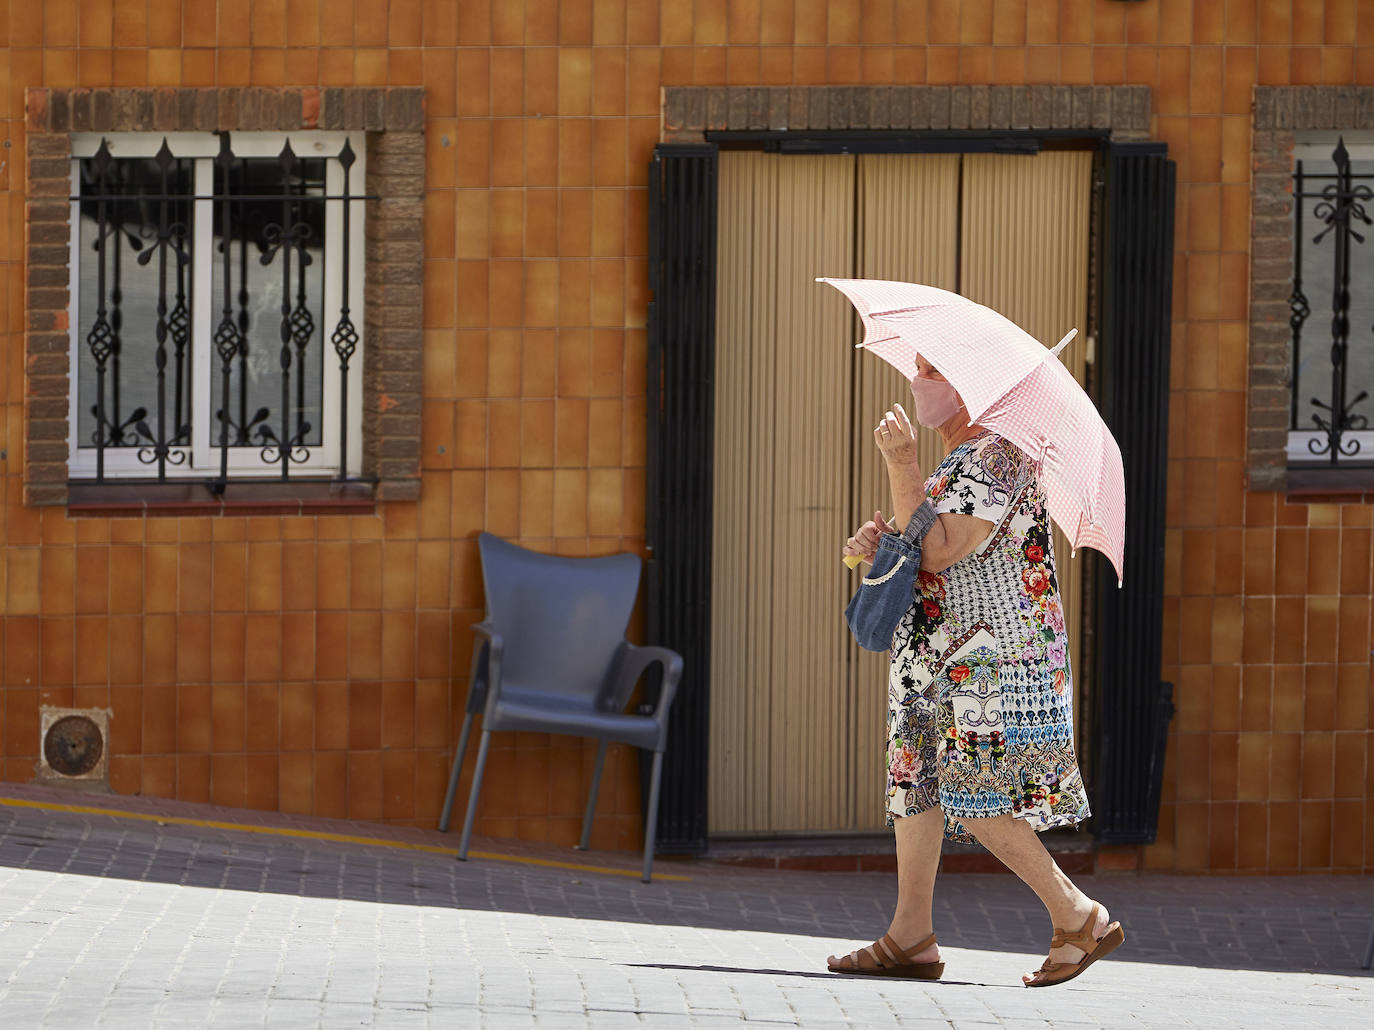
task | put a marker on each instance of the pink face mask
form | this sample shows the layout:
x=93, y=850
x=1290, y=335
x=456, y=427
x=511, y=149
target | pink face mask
x=936, y=402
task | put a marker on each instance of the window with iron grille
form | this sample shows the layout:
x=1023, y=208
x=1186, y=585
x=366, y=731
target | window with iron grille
x=216, y=306
x=1332, y=302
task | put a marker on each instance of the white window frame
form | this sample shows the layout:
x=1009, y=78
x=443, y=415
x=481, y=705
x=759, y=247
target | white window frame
x=202, y=457
x=1317, y=146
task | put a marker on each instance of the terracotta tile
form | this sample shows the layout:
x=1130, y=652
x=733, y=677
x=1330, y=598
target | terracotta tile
x=193, y=718
x=1222, y=821
x=1193, y=699
x=431, y=713
x=53, y=651
x=1257, y=696
x=1252, y=835
x=264, y=576
x=262, y=647
x=331, y=649
x=1283, y=835
x=1352, y=697
x=1347, y=835
x=331, y=784
x=364, y=644
x=1322, y=628
x=1252, y=766
x=159, y=776
x=1192, y=835
x=126, y=773
x=1317, y=765
x=126, y=649
x=1226, y=698
x=260, y=782
x=1285, y=772
x=364, y=773
x=298, y=640
x=295, y=783
x=92, y=650
x=1315, y=847
x=297, y=716
x=364, y=715
x=1289, y=692
x=1353, y=629
x=398, y=784
x=365, y=575
x=1350, y=759
x=227, y=717
x=92, y=575
x=1290, y=624
x=193, y=778
x=1275, y=66
x=159, y=719
x=1275, y=18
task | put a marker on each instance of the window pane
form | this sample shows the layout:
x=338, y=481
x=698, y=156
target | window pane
x=269, y=268
x=135, y=255
x=1313, y=365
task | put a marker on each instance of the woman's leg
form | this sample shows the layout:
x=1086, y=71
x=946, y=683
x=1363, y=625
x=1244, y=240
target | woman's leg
x=918, y=858
x=1017, y=846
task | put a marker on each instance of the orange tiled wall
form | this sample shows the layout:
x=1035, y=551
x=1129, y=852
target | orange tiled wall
x=307, y=664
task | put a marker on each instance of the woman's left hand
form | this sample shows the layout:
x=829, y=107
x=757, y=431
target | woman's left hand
x=896, y=437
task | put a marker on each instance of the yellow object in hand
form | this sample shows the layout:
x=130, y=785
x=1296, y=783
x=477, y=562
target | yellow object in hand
x=853, y=560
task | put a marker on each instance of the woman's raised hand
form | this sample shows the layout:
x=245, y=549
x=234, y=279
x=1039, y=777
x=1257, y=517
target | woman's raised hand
x=896, y=437
x=864, y=543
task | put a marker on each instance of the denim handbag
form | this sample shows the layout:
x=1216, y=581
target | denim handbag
x=885, y=594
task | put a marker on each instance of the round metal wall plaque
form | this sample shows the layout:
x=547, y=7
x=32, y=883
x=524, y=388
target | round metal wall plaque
x=73, y=745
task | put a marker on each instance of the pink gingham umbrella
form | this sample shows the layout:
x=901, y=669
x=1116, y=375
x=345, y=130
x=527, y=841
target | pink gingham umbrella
x=1014, y=386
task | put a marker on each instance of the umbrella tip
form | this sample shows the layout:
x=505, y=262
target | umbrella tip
x=1120, y=584
x=1064, y=342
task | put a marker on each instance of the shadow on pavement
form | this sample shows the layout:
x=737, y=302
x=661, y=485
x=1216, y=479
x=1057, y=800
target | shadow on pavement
x=1290, y=924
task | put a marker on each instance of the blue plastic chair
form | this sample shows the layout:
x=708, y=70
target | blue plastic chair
x=551, y=657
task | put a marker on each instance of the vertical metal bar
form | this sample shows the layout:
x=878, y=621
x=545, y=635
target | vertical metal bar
x=1297, y=301
x=164, y=160
x=227, y=335
x=115, y=420
x=345, y=336
x=1340, y=296
x=288, y=162
x=303, y=326
x=243, y=321
x=100, y=337
x=180, y=325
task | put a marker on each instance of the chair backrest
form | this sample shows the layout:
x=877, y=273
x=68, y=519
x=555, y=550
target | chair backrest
x=562, y=619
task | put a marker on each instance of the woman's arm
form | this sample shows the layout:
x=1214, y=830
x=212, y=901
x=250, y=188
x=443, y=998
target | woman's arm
x=951, y=538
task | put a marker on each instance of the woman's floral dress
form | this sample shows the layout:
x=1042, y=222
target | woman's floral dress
x=980, y=718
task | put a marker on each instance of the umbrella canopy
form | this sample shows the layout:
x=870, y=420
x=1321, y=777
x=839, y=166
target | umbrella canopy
x=1014, y=386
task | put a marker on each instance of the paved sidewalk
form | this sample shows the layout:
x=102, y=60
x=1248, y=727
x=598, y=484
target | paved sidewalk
x=110, y=920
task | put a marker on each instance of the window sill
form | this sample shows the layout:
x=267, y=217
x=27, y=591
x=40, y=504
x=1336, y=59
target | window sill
x=1348, y=485
x=256, y=497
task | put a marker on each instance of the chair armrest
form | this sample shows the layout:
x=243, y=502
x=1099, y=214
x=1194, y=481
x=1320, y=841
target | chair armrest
x=631, y=665
x=484, y=681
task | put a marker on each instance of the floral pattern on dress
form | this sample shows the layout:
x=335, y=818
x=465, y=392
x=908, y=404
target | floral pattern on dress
x=980, y=686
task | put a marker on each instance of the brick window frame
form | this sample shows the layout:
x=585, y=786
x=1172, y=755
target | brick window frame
x=393, y=120
x=1280, y=112
x=689, y=112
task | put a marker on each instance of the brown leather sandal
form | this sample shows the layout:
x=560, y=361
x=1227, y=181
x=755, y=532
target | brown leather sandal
x=884, y=958
x=1093, y=948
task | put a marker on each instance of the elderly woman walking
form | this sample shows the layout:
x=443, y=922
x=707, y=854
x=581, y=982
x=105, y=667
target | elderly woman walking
x=980, y=721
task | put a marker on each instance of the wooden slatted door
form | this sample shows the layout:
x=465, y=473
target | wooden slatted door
x=798, y=710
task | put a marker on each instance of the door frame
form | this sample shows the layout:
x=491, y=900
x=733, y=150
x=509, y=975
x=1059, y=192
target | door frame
x=682, y=255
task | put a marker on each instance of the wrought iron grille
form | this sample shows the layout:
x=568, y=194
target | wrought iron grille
x=217, y=306
x=1331, y=263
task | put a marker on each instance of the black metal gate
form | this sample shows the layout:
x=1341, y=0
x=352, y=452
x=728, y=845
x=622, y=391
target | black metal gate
x=1132, y=707
x=681, y=424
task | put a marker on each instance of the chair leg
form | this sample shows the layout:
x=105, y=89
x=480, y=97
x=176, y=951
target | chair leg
x=457, y=769
x=591, y=799
x=651, y=817
x=471, y=813
x=1369, y=948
